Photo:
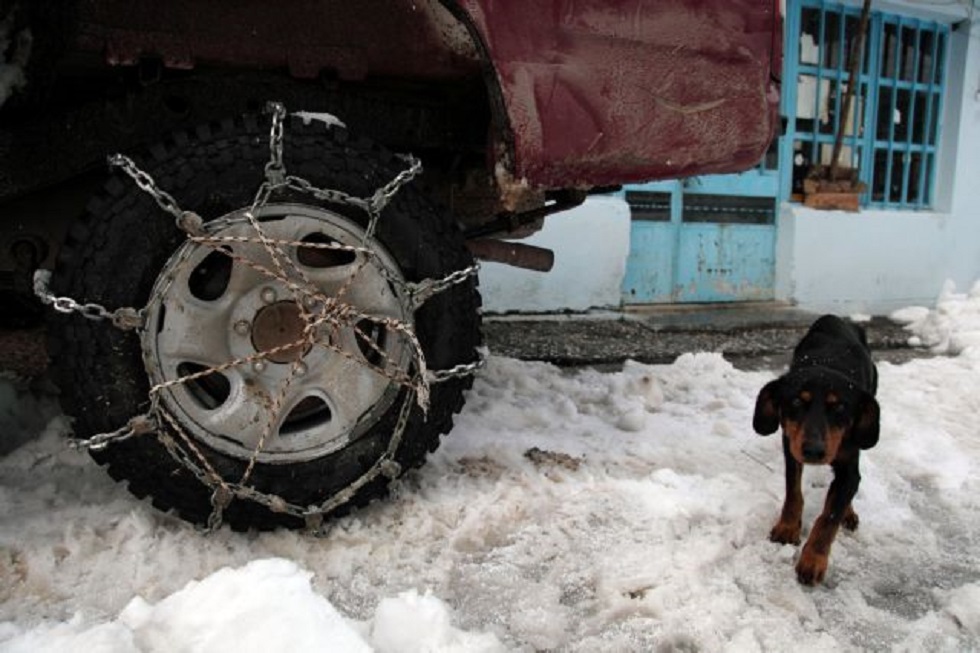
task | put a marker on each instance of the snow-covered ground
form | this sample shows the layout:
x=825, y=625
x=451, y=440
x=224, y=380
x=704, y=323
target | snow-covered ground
x=569, y=510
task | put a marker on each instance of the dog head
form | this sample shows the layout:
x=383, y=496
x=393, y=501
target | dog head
x=819, y=411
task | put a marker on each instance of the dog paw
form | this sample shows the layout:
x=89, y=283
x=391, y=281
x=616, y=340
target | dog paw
x=785, y=533
x=850, y=521
x=811, y=568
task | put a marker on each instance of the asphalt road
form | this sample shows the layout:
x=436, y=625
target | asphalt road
x=751, y=338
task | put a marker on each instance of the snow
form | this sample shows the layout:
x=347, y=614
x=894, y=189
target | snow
x=952, y=327
x=328, y=119
x=569, y=510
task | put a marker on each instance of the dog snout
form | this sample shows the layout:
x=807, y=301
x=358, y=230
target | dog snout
x=813, y=451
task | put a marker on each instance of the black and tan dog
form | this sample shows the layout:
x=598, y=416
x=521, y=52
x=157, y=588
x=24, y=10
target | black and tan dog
x=826, y=406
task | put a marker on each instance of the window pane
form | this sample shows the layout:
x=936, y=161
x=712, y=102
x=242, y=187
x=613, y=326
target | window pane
x=934, y=120
x=903, y=114
x=915, y=171
x=889, y=50
x=886, y=186
x=831, y=41
x=886, y=113
x=848, y=157
x=898, y=169
x=802, y=159
x=811, y=102
x=830, y=104
x=926, y=47
x=908, y=41
x=919, y=123
x=851, y=25
x=878, y=176
x=810, y=37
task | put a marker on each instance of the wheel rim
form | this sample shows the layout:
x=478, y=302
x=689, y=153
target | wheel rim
x=210, y=308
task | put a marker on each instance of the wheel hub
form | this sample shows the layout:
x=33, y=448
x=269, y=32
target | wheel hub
x=276, y=326
x=327, y=285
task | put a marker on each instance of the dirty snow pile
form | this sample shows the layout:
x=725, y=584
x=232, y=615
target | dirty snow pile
x=952, y=327
x=569, y=510
x=266, y=605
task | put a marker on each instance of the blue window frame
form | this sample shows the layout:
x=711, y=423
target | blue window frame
x=892, y=132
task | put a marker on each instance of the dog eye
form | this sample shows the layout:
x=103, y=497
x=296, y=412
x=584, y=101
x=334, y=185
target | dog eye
x=796, y=403
x=839, y=409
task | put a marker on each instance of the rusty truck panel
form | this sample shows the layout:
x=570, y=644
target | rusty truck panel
x=609, y=92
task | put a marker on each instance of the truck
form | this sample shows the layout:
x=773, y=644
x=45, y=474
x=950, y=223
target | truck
x=249, y=230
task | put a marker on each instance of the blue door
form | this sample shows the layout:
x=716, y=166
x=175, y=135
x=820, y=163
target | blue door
x=703, y=239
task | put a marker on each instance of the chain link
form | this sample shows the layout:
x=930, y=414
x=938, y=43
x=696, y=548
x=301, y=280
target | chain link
x=383, y=196
x=466, y=369
x=275, y=171
x=423, y=291
x=123, y=318
x=147, y=184
x=331, y=310
x=139, y=425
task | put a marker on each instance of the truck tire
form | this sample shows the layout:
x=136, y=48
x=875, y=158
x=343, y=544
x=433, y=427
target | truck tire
x=335, y=416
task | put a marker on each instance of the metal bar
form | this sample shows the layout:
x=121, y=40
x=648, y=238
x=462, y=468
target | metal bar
x=857, y=79
x=891, y=118
x=676, y=218
x=790, y=97
x=939, y=72
x=843, y=54
x=910, y=119
x=821, y=40
x=866, y=170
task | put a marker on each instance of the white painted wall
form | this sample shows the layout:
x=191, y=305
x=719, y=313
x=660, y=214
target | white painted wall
x=873, y=261
x=591, y=243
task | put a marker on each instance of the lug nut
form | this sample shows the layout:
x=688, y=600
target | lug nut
x=242, y=327
x=258, y=366
x=268, y=295
x=300, y=369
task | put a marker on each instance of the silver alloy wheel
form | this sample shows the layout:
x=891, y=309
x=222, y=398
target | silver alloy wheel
x=296, y=403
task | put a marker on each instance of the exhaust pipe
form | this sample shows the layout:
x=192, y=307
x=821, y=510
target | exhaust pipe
x=517, y=255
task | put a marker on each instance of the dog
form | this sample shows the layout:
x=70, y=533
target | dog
x=828, y=412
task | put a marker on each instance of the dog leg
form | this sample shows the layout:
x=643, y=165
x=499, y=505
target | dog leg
x=850, y=521
x=787, y=529
x=812, y=566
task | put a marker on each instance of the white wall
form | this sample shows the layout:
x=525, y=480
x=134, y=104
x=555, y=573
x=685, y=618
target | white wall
x=591, y=243
x=873, y=261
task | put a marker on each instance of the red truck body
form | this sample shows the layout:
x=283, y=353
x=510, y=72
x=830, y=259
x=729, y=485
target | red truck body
x=601, y=93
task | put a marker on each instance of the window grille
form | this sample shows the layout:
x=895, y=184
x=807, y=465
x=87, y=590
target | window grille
x=892, y=130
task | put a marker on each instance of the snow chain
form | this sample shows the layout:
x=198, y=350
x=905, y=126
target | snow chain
x=158, y=419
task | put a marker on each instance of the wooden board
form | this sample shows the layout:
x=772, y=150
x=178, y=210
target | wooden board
x=833, y=201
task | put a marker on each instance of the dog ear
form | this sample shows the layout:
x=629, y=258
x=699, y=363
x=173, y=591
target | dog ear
x=766, y=418
x=866, y=427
